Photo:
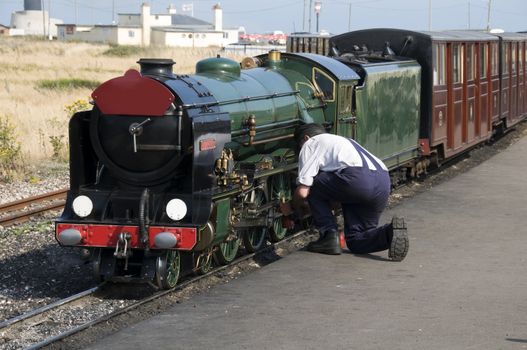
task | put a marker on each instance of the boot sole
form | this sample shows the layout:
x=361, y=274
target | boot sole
x=400, y=243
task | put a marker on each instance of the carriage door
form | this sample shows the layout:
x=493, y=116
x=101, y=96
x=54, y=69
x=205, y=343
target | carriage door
x=505, y=80
x=471, y=93
x=440, y=94
x=455, y=97
x=483, y=111
x=513, y=114
x=494, y=103
x=521, y=80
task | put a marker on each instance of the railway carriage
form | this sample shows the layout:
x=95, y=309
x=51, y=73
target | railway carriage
x=308, y=43
x=512, y=77
x=472, y=82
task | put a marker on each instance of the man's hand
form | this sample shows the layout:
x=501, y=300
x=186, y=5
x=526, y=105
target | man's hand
x=299, y=198
x=302, y=192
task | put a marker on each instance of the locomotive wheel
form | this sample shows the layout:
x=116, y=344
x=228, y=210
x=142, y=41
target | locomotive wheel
x=254, y=238
x=226, y=251
x=168, y=267
x=203, y=263
x=281, y=190
x=277, y=232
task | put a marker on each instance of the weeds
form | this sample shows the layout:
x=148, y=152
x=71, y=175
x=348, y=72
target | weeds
x=10, y=156
x=123, y=51
x=67, y=84
x=77, y=106
x=58, y=141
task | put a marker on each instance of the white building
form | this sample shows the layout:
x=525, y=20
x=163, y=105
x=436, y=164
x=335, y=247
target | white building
x=33, y=21
x=167, y=29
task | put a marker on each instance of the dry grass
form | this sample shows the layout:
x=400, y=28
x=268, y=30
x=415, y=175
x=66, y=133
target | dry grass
x=38, y=113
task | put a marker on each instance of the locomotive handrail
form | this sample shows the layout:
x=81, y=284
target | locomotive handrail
x=272, y=139
x=238, y=100
x=268, y=127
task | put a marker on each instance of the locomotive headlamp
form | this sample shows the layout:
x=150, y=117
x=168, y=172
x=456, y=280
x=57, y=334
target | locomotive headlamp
x=176, y=209
x=82, y=206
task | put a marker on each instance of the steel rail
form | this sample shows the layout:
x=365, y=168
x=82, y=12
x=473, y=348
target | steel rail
x=157, y=295
x=11, y=212
x=41, y=310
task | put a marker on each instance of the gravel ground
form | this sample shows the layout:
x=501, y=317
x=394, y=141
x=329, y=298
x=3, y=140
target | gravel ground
x=35, y=271
x=51, y=176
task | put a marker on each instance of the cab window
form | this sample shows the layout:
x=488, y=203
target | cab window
x=325, y=84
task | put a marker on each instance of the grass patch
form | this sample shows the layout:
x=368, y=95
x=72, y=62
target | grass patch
x=123, y=51
x=67, y=84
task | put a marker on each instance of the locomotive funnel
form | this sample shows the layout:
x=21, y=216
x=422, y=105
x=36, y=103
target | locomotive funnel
x=157, y=66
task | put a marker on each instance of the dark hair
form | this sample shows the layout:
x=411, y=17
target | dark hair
x=309, y=130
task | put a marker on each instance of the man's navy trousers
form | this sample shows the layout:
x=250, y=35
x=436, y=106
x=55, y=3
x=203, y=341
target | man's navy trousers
x=363, y=194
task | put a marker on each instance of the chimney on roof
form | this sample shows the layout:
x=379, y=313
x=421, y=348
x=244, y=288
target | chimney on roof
x=145, y=24
x=32, y=5
x=218, y=18
x=172, y=9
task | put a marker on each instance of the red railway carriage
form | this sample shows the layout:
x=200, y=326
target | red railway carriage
x=464, y=89
x=512, y=61
x=469, y=83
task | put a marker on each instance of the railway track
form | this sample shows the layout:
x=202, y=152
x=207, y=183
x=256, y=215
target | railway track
x=34, y=322
x=21, y=210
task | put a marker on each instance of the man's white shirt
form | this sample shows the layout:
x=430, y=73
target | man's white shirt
x=328, y=152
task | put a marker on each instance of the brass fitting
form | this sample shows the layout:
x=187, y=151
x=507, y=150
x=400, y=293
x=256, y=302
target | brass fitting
x=275, y=55
x=250, y=123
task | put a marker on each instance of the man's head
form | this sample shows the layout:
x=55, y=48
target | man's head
x=306, y=131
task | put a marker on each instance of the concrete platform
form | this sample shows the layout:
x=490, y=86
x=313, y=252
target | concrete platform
x=463, y=284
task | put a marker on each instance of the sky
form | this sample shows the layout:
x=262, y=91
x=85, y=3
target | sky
x=336, y=16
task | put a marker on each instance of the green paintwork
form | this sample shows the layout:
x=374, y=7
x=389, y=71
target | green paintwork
x=388, y=111
x=222, y=224
x=251, y=83
x=218, y=65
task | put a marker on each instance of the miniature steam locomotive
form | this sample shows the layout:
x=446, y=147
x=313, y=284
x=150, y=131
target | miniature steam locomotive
x=170, y=172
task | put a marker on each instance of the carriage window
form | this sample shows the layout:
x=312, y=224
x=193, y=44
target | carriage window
x=483, y=59
x=457, y=63
x=439, y=64
x=325, y=84
x=470, y=62
x=494, y=59
x=520, y=57
x=513, y=58
x=505, y=60
x=435, y=55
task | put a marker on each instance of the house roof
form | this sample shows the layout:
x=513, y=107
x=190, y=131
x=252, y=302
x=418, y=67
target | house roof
x=3, y=26
x=184, y=30
x=184, y=20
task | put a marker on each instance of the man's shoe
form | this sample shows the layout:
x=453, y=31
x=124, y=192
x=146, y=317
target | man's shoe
x=328, y=243
x=400, y=243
